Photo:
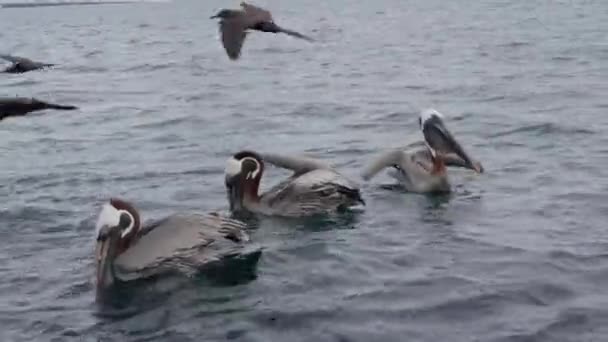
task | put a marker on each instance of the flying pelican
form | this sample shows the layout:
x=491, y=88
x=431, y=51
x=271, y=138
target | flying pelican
x=235, y=23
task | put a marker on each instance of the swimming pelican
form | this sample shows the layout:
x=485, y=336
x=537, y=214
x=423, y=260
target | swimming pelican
x=423, y=168
x=126, y=250
x=313, y=188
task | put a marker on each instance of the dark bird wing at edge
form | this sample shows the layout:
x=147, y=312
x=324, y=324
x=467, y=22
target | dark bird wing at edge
x=14, y=59
x=60, y=107
x=233, y=34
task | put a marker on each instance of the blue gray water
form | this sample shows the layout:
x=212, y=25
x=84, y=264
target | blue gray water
x=519, y=253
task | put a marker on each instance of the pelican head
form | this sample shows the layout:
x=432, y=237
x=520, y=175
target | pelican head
x=117, y=225
x=440, y=140
x=224, y=14
x=242, y=177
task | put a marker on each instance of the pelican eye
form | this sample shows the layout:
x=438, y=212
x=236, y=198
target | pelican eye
x=126, y=223
x=125, y=220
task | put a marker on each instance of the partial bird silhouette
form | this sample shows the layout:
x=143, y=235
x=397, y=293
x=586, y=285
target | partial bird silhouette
x=20, y=106
x=234, y=24
x=22, y=64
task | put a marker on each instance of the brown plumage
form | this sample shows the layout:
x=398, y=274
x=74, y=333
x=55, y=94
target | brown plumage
x=314, y=188
x=185, y=243
x=234, y=24
x=422, y=166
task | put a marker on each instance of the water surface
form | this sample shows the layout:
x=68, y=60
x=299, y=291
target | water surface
x=519, y=253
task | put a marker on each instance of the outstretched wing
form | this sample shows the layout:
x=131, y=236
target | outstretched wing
x=233, y=34
x=295, y=34
x=298, y=164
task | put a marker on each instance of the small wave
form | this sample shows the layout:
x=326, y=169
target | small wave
x=360, y=125
x=542, y=129
x=493, y=98
x=164, y=174
x=563, y=58
x=579, y=260
x=32, y=213
x=570, y=325
x=415, y=87
x=162, y=123
x=22, y=83
x=53, y=3
x=515, y=44
x=150, y=67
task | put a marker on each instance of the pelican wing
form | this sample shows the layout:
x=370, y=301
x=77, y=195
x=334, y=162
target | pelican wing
x=12, y=100
x=298, y=164
x=16, y=106
x=317, y=191
x=255, y=13
x=320, y=176
x=233, y=32
x=14, y=59
x=295, y=34
x=181, y=242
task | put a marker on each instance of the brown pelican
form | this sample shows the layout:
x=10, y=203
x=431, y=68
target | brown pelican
x=21, y=64
x=234, y=24
x=19, y=106
x=314, y=187
x=423, y=168
x=184, y=243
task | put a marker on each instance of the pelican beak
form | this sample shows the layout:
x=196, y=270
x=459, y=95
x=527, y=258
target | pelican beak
x=234, y=191
x=104, y=255
x=441, y=141
x=218, y=15
x=233, y=179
